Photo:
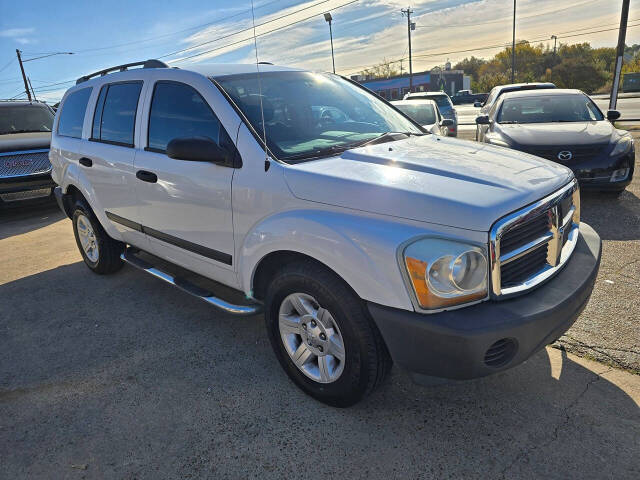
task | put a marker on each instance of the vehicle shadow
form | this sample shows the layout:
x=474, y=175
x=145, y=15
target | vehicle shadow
x=613, y=218
x=19, y=220
x=125, y=376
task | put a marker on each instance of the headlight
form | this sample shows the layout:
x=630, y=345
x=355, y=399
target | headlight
x=622, y=146
x=444, y=273
x=497, y=141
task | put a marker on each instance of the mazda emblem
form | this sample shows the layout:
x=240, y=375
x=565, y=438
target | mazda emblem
x=565, y=155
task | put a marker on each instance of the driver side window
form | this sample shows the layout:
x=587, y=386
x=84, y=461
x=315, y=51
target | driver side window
x=178, y=110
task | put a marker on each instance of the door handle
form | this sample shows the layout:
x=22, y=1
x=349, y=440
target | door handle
x=146, y=176
x=87, y=162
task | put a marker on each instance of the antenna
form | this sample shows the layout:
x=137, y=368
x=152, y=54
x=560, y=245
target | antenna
x=264, y=128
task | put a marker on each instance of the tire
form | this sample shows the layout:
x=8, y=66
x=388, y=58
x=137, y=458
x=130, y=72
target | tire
x=366, y=360
x=104, y=257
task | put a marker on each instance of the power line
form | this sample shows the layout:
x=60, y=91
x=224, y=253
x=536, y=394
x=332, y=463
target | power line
x=7, y=64
x=245, y=30
x=258, y=35
x=502, y=19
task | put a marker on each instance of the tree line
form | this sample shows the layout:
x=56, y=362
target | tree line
x=569, y=66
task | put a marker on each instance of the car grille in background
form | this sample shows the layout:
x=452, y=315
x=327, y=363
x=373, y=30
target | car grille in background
x=578, y=152
x=19, y=164
x=527, y=246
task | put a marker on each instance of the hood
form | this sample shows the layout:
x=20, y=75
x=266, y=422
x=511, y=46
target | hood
x=430, y=179
x=12, y=142
x=562, y=134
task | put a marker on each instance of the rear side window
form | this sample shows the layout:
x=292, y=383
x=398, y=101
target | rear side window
x=72, y=113
x=442, y=101
x=115, y=116
x=178, y=110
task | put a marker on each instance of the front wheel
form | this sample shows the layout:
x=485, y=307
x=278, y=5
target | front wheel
x=322, y=335
x=100, y=252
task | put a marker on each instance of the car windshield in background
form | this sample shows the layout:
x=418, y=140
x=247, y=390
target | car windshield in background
x=308, y=115
x=24, y=119
x=549, y=109
x=441, y=100
x=424, y=114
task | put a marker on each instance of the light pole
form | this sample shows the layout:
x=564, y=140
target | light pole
x=24, y=76
x=622, y=33
x=513, y=46
x=328, y=18
x=555, y=41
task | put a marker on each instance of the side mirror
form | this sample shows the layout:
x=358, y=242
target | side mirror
x=613, y=115
x=483, y=120
x=477, y=103
x=446, y=122
x=199, y=149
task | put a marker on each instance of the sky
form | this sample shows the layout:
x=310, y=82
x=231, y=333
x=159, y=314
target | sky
x=289, y=32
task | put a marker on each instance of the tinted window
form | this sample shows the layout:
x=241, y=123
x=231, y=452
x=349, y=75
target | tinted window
x=25, y=118
x=424, y=114
x=97, y=115
x=177, y=110
x=119, y=113
x=549, y=109
x=72, y=113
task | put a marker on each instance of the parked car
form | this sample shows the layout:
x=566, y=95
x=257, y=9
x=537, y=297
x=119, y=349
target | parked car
x=467, y=96
x=426, y=113
x=25, y=171
x=496, y=92
x=444, y=105
x=364, y=242
x=567, y=127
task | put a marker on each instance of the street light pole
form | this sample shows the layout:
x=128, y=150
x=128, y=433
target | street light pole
x=328, y=18
x=555, y=40
x=622, y=33
x=24, y=77
x=513, y=46
x=410, y=26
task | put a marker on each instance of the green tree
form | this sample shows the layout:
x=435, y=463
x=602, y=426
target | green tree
x=579, y=73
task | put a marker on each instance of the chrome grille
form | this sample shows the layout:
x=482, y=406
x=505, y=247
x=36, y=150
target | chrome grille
x=25, y=163
x=531, y=244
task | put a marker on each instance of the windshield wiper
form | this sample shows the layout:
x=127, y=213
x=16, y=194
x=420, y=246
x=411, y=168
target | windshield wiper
x=27, y=131
x=386, y=137
x=508, y=122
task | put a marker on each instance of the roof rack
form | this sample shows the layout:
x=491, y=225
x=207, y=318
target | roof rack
x=146, y=64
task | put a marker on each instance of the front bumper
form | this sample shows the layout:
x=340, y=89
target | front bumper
x=461, y=344
x=16, y=185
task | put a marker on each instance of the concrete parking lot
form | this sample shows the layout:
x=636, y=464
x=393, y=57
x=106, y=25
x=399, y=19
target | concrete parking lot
x=123, y=376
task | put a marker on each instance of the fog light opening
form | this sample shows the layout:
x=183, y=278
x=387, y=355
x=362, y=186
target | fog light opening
x=501, y=352
x=619, y=175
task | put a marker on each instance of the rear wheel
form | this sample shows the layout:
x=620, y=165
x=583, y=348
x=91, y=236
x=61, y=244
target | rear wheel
x=99, y=251
x=322, y=335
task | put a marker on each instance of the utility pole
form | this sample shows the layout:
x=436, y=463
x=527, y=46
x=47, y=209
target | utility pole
x=622, y=33
x=410, y=26
x=513, y=46
x=24, y=77
x=555, y=40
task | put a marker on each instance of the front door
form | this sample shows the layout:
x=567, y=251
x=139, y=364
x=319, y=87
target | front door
x=185, y=205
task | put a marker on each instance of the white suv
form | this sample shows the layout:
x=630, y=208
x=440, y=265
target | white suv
x=363, y=239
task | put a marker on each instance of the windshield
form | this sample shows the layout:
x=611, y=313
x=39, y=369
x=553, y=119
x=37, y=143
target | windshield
x=547, y=109
x=25, y=118
x=308, y=114
x=422, y=113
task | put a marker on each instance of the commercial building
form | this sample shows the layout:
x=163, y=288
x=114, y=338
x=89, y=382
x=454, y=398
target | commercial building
x=437, y=79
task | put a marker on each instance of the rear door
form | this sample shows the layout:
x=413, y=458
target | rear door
x=108, y=157
x=186, y=205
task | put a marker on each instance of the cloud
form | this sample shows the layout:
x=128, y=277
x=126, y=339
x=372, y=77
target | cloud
x=16, y=32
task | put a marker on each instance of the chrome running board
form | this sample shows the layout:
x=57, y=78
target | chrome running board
x=241, y=310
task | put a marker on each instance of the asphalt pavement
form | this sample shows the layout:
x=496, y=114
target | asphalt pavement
x=125, y=377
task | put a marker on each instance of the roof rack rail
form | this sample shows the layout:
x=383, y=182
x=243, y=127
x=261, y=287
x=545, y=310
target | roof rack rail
x=146, y=64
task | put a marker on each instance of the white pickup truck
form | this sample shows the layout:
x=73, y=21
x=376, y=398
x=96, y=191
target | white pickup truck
x=364, y=239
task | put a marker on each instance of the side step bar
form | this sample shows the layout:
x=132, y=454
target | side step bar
x=241, y=310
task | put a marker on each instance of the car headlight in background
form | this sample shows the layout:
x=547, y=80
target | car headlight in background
x=623, y=145
x=444, y=273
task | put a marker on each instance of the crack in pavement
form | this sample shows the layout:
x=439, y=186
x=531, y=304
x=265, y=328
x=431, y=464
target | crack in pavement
x=574, y=342
x=556, y=431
